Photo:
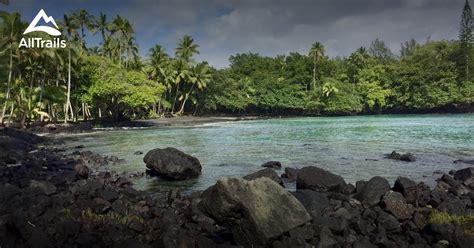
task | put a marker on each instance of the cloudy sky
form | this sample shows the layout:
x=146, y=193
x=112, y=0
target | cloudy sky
x=268, y=27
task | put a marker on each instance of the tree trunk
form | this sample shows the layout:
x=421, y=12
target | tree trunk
x=181, y=110
x=175, y=98
x=68, y=96
x=314, y=73
x=8, y=87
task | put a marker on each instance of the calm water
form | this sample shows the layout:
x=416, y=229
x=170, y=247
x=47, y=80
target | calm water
x=353, y=147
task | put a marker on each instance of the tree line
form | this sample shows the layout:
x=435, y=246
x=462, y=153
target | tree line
x=111, y=80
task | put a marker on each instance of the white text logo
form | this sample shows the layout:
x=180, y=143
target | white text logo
x=47, y=19
x=40, y=42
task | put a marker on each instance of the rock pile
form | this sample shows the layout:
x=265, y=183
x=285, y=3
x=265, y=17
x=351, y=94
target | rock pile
x=49, y=198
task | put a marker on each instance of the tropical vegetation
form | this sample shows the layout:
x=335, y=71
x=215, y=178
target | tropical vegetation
x=112, y=81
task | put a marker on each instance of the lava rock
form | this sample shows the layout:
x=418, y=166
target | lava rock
x=290, y=174
x=373, y=190
x=464, y=174
x=314, y=202
x=317, y=179
x=173, y=164
x=270, y=173
x=82, y=171
x=396, y=204
x=46, y=187
x=272, y=164
x=407, y=187
x=408, y=157
x=256, y=210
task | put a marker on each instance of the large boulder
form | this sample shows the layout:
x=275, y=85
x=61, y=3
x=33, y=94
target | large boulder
x=272, y=164
x=407, y=187
x=317, y=179
x=395, y=203
x=464, y=174
x=371, y=192
x=290, y=173
x=407, y=157
x=172, y=164
x=270, y=173
x=314, y=202
x=257, y=211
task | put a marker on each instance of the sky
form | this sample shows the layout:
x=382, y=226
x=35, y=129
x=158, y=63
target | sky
x=269, y=27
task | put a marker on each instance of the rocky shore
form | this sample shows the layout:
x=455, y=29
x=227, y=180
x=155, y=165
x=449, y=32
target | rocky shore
x=51, y=198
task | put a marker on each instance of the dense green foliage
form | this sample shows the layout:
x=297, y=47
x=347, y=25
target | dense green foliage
x=112, y=81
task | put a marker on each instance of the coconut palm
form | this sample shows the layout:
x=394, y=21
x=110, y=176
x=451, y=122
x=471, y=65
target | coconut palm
x=157, y=60
x=357, y=61
x=70, y=26
x=186, y=48
x=200, y=77
x=181, y=73
x=317, y=54
x=11, y=28
x=101, y=25
x=84, y=20
x=122, y=29
x=131, y=48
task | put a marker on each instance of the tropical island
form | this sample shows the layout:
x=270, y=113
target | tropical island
x=102, y=146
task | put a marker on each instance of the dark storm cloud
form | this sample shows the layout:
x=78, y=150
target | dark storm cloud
x=270, y=27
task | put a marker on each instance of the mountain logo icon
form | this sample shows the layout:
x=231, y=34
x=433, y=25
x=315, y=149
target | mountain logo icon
x=47, y=29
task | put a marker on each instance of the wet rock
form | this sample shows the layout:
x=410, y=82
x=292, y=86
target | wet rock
x=256, y=210
x=314, y=202
x=395, y=203
x=108, y=195
x=272, y=164
x=290, y=173
x=407, y=187
x=408, y=157
x=173, y=164
x=46, y=187
x=373, y=190
x=7, y=191
x=82, y=171
x=453, y=205
x=136, y=226
x=464, y=174
x=388, y=222
x=270, y=173
x=317, y=179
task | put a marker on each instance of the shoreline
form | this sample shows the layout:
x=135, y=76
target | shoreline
x=183, y=122
x=51, y=197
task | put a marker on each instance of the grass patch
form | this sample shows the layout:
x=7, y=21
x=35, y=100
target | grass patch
x=110, y=217
x=438, y=217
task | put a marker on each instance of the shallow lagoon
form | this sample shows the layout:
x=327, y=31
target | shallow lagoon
x=352, y=147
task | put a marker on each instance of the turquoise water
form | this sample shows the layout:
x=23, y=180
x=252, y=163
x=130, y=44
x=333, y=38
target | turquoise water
x=352, y=147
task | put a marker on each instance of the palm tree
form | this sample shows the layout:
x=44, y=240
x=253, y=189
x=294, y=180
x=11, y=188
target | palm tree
x=316, y=53
x=158, y=60
x=181, y=73
x=83, y=20
x=71, y=29
x=12, y=29
x=200, y=77
x=329, y=88
x=122, y=29
x=101, y=25
x=132, y=50
x=358, y=60
x=186, y=48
